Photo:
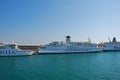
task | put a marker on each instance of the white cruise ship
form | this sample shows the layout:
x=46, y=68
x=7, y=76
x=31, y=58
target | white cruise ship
x=69, y=47
x=113, y=45
x=13, y=50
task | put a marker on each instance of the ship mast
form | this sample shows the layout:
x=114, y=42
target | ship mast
x=109, y=39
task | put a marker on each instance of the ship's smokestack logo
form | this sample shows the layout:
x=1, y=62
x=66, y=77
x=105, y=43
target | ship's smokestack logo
x=68, y=38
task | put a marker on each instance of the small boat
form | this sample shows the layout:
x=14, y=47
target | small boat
x=13, y=50
x=113, y=45
x=69, y=47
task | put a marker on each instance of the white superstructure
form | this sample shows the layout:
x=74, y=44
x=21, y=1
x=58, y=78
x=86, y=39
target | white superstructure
x=69, y=47
x=13, y=50
x=112, y=46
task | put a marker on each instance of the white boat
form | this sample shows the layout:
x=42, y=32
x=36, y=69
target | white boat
x=13, y=50
x=112, y=46
x=69, y=47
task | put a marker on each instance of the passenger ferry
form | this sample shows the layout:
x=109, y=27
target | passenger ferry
x=13, y=50
x=113, y=45
x=69, y=47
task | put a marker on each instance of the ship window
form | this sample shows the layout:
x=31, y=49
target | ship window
x=2, y=47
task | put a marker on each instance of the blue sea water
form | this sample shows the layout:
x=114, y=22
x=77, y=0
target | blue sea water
x=86, y=66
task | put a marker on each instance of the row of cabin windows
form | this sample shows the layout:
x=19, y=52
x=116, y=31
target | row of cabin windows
x=1, y=47
x=77, y=49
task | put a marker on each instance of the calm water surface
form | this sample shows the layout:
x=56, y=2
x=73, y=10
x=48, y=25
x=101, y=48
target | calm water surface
x=87, y=66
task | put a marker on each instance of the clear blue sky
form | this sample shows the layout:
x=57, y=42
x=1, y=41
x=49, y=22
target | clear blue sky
x=43, y=21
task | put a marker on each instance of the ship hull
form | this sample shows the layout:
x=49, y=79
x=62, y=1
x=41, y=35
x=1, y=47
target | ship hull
x=67, y=52
x=112, y=47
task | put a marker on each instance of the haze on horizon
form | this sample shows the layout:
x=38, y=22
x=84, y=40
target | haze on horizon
x=43, y=21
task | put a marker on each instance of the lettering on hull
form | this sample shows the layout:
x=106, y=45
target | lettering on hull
x=7, y=52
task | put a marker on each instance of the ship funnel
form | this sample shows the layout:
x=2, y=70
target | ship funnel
x=68, y=38
x=114, y=39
